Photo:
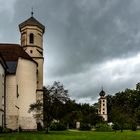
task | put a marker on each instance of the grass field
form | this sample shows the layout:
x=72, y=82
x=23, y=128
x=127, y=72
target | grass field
x=72, y=135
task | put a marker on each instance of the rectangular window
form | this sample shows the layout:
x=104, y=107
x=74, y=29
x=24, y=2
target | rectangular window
x=31, y=38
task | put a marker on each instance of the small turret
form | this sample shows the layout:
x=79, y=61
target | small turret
x=102, y=93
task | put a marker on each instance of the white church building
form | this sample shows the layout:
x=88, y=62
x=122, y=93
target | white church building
x=21, y=76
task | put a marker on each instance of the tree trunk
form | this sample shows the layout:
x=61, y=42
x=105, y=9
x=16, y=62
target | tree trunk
x=47, y=130
x=121, y=127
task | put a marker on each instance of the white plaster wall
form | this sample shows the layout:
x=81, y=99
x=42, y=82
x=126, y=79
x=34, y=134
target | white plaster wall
x=1, y=69
x=11, y=102
x=26, y=80
x=40, y=73
x=35, y=50
x=103, y=108
x=2, y=73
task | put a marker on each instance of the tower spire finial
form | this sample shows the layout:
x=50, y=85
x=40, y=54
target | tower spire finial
x=102, y=88
x=32, y=12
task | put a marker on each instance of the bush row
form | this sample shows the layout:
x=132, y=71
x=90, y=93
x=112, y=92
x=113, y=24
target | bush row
x=103, y=127
x=58, y=126
x=5, y=130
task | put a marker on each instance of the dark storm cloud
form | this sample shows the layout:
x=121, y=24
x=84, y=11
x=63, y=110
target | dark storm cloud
x=88, y=32
x=82, y=37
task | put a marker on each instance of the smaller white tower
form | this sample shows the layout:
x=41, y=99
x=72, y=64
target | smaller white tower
x=103, y=105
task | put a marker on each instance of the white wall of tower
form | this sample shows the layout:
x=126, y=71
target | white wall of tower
x=35, y=50
x=2, y=75
x=103, y=107
x=26, y=70
x=38, y=34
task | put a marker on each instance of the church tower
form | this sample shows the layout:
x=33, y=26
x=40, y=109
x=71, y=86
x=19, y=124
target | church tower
x=103, y=105
x=32, y=42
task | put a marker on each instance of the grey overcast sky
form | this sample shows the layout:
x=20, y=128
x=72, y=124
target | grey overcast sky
x=87, y=44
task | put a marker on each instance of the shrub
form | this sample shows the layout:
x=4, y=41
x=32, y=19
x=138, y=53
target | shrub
x=85, y=126
x=58, y=126
x=103, y=127
x=20, y=129
x=1, y=129
x=134, y=127
x=126, y=126
x=39, y=127
x=116, y=126
x=7, y=130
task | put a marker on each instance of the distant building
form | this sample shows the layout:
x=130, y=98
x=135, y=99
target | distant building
x=102, y=110
x=24, y=76
x=138, y=86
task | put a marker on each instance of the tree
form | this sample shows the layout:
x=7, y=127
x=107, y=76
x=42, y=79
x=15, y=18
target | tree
x=72, y=114
x=110, y=102
x=124, y=108
x=84, y=113
x=120, y=117
x=90, y=114
x=52, y=107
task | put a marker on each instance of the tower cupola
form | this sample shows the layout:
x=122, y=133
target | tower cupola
x=31, y=33
x=102, y=93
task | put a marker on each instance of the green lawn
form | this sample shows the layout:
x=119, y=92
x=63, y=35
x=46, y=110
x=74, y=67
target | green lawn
x=72, y=135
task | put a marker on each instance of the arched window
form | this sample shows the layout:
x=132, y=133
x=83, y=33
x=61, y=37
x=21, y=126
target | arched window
x=31, y=38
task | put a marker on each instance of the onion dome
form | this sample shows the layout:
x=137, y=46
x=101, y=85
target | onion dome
x=102, y=93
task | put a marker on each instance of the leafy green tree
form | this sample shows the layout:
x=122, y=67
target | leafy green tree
x=115, y=126
x=52, y=107
x=84, y=113
x=110, y=102
x=120, y=117
x=90, y=114
x=124, y=108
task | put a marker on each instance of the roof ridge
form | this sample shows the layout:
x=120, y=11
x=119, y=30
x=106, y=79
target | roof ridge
x=9, y=44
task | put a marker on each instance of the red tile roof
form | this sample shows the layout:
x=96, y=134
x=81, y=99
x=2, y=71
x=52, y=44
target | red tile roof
x=11, y=52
